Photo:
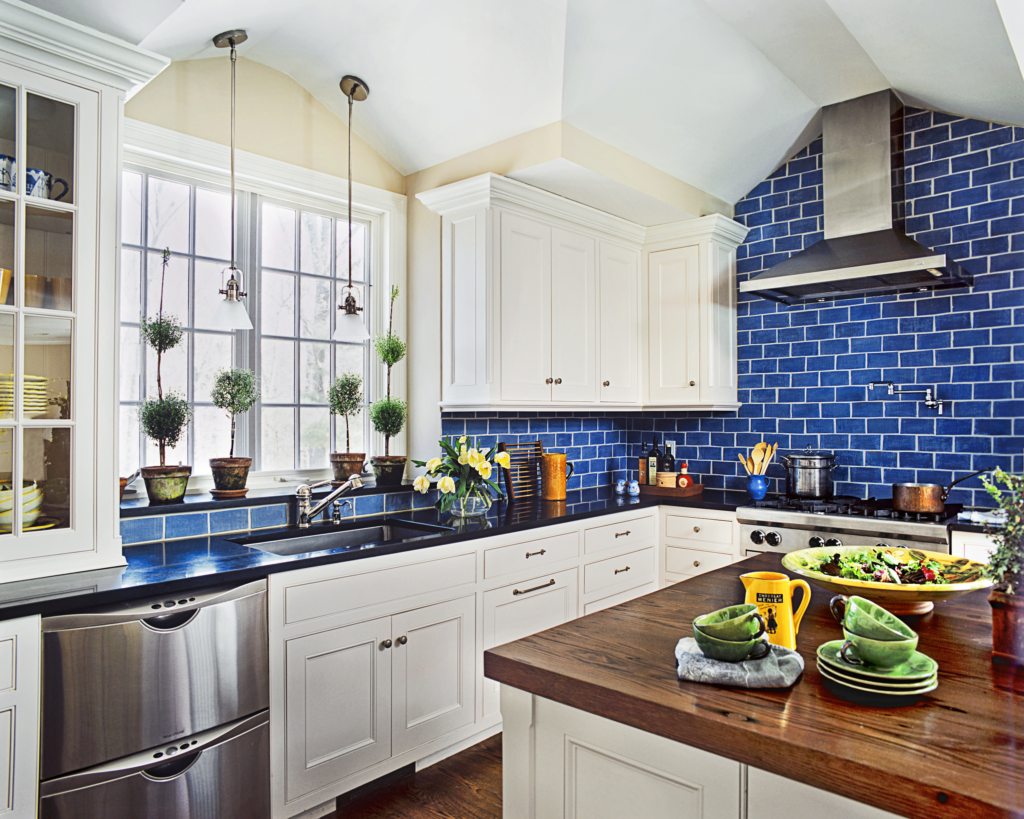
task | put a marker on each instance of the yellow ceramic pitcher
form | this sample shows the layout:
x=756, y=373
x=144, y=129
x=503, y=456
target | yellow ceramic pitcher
x=772, y=592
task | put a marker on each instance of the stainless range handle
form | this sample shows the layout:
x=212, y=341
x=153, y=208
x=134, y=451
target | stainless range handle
x=162, y=613
x=153, y=763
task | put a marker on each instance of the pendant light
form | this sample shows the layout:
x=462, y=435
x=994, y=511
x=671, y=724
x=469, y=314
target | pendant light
x=350, y=325
x=231, y=313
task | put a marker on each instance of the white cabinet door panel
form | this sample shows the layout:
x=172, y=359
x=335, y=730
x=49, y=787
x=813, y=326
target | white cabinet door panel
x=619, y=329
x=19, y=717
x=525, y=608
x=433, y=671
x=525, y=309
x=674, y=325
x=770, y=796
x=338, y=704
x=574, y=317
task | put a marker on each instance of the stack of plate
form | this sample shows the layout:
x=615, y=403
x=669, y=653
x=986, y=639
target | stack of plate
x=916, y=676
x=35, y=397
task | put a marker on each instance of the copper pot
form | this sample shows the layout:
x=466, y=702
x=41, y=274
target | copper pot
x=925, y=498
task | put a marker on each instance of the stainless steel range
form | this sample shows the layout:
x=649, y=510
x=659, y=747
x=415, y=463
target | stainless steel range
x=783, y=524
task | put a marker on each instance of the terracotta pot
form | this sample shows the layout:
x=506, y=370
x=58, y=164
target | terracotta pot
x=229, y=477
x=347, y=464
x=1007, y=627
x=124, y=484
x=389, y=469
x=166, y=484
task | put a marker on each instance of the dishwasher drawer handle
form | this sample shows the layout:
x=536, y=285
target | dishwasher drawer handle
x=551, y=582
x=172, y=769
x=619, y=571
x=534, y=554
x=622, y=534
x=172, y=621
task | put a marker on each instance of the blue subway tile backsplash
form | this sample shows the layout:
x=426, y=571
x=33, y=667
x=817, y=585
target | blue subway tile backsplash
x=179, y=526
x=264, y=517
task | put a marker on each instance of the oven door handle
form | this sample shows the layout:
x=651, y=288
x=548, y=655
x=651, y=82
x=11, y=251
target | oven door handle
x=156, y=769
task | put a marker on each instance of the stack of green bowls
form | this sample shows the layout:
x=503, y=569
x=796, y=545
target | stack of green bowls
x=732, y=634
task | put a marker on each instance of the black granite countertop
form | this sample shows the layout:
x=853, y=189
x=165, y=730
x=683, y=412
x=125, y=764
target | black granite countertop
x=170, y=567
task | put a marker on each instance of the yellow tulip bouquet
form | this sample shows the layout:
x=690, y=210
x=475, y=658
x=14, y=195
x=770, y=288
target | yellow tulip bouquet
x=465, y=476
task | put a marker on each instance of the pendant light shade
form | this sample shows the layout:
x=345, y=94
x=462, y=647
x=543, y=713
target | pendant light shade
x=350, y=326
x=231, y=313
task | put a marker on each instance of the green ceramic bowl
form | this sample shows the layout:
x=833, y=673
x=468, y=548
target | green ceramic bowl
x=741, y=622
x=881, y=653
x=730, y=651
x=870, y=620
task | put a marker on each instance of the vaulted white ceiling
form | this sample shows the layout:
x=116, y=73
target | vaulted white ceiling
x=715, y=92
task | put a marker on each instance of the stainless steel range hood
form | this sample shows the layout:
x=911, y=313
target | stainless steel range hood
x=865, y=251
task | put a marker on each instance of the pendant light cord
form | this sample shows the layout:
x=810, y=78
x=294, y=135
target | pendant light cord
x=232, y=158
x=350, y=98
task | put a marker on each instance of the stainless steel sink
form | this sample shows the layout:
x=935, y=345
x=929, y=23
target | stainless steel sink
x=297, y=542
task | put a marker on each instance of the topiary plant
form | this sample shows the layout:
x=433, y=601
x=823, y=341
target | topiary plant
x=235, y=391
x=346, y=396
x=388, y=415
x=1006, y=565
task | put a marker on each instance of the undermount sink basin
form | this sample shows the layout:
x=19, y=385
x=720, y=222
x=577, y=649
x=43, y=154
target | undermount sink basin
x=324, y=538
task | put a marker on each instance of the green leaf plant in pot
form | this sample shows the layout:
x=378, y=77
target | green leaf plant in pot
x=346, y=397
x=388, y=415
x=1006, y=568
x=234, y=391
x=164, y=418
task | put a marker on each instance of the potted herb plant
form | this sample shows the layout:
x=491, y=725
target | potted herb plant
x=388, y=415
x=346, y=396
x=465, y=484
x=1006, y=568
x=234, y=391
x=164, y=418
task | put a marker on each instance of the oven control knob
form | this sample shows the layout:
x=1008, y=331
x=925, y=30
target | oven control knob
x=757, y=536
x=773, y=538
x=882, y=545
x=833, y=542
x=816, y=542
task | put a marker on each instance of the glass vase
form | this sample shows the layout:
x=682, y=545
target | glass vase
x=471, y=506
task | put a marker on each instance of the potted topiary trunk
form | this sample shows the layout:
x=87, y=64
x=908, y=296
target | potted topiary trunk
x=234, y=391
x=1006, y=568
x=346, y=396
x=388, y=415
x=164, y=418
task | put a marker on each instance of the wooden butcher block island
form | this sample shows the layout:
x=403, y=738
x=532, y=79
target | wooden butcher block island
x=596, y=723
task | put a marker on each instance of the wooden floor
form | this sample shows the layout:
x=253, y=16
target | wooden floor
x=464, y=786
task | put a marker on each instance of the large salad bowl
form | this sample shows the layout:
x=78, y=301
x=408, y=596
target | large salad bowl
x=962, y=576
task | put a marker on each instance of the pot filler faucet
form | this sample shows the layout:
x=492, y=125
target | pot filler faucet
x=304, y=498
x=930, y=400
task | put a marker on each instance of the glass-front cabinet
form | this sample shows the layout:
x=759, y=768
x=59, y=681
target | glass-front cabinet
x=60, y=112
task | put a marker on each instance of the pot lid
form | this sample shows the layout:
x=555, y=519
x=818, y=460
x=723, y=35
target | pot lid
x=810, y=457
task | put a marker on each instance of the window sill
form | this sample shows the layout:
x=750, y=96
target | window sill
x=204, y=501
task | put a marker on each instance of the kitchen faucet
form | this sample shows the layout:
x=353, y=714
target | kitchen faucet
x=304, y=497
x=930, y=400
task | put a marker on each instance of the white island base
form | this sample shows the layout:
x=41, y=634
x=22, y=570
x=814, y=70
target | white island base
x=563, y=763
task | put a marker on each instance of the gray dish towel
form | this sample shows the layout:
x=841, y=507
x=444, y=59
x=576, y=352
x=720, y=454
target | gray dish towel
x=780, y=669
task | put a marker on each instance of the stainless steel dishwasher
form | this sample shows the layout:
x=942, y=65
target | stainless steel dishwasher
x=157, y=708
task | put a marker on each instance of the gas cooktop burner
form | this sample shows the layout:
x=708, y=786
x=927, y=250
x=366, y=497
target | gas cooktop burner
x=854, y=507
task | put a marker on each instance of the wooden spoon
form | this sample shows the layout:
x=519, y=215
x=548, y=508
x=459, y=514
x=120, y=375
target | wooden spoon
x=743, y=461
x=768, y=460
x=757, y=456
x=750, y=466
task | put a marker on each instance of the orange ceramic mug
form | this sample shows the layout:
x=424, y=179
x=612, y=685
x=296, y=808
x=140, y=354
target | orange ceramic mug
x=553, y=475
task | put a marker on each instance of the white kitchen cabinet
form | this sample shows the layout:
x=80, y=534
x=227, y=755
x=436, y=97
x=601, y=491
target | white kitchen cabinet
x=972, y=545
x=544, y=304
x=618, y=289
x=694, y=541
x=19, y=717
x=770, y=796
x=433, y=672
x=62, y=88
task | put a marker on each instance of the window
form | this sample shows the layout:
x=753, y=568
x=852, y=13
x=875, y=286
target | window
x=292, y=272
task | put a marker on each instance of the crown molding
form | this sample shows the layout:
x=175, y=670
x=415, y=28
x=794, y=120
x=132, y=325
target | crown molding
x=45, y=38
x=715, y=226
x=490, y=190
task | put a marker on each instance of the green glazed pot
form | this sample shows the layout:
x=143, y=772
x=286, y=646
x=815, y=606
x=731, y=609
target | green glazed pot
x=740, y=622
x=166, y=484
x=388, y=469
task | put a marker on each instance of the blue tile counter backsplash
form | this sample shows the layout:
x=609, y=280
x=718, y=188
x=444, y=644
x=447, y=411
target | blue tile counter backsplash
x=804, y=370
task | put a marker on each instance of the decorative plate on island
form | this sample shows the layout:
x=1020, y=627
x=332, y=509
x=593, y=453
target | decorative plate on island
x=963, y=576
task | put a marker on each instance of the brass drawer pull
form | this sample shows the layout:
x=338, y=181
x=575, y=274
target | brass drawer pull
x=541, y=552
x=617, y=571
x=622, y=534
x=551, y=582
x=402, y=640
x=696, y=528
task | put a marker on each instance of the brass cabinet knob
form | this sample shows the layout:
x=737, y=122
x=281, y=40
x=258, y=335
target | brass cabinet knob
x=402, y=640
x=693, y=383
x=548, y=380
x=607, y=383
x=696, y=563
x=696, y=528
x=386, y=644
x=558, y=381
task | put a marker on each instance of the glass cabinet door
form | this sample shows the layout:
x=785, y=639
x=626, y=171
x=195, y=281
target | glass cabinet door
x=48, y=158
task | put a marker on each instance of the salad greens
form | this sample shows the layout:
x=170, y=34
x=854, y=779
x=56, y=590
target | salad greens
x=881, y=567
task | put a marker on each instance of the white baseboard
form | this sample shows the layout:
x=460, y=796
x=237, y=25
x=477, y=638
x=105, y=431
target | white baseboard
x=451, y=750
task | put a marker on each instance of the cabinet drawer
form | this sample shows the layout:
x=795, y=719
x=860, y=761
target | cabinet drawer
x=622, y=533
x=323, y=597
x=710, y=532
x=680, y=560
x=531, y=555
x=630, y=570
x=619, y=597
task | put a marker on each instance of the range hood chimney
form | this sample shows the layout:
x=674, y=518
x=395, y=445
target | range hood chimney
x=865, y=251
